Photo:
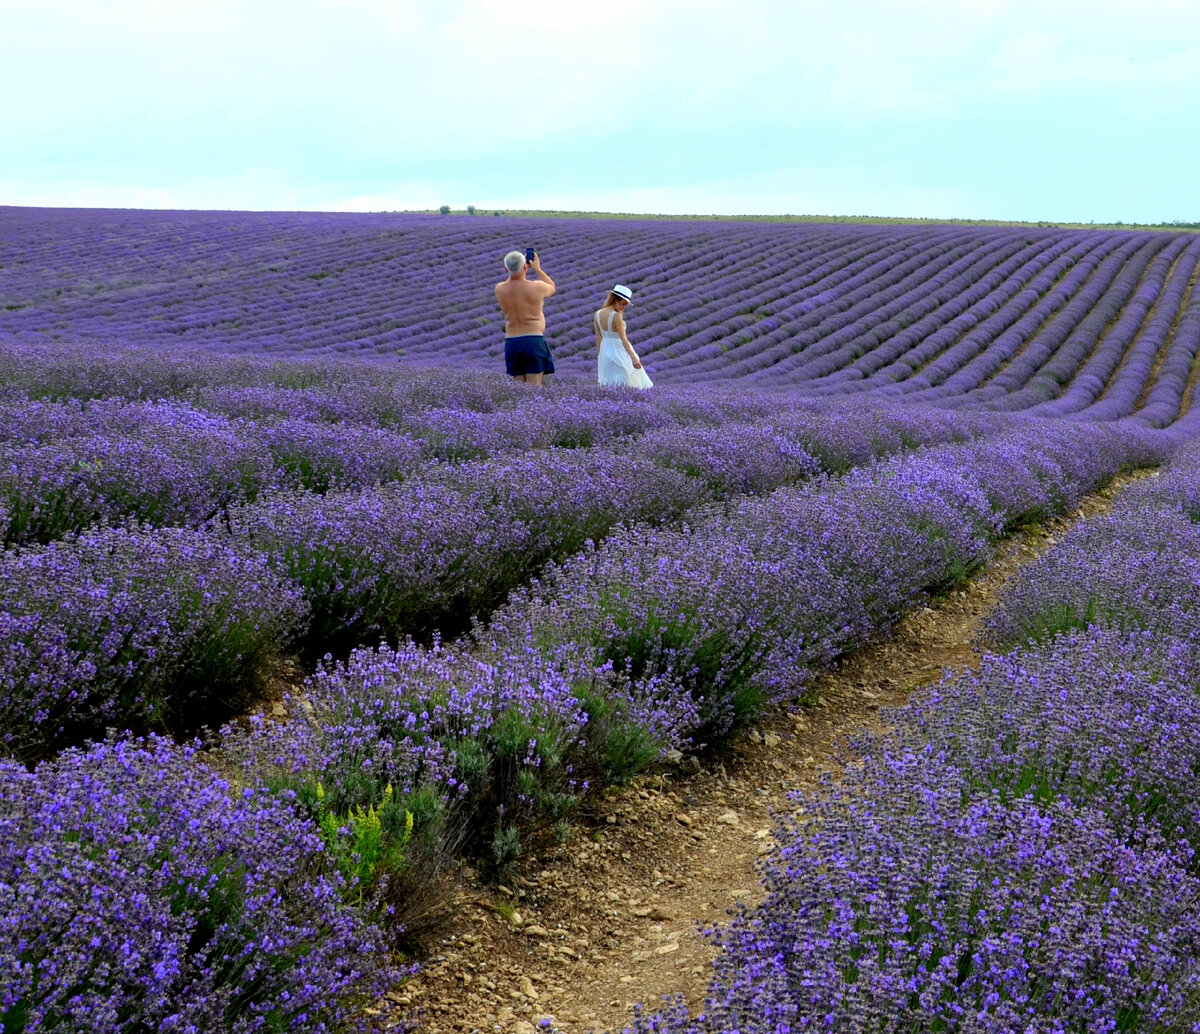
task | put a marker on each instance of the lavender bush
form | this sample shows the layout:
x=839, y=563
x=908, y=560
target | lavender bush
x=327, y=457
x=1105, y=719
x=431, y=553
x=841, y=440
x=67, y=466
x=1131, y=569
x=732, y=459
x=140, y=890
x=446, y=746
x=133, y=628
x=1033, y=471
x=1176, y=487
x=902, y=902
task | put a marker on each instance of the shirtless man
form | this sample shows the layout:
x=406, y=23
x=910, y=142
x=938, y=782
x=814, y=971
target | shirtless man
x=526, y=353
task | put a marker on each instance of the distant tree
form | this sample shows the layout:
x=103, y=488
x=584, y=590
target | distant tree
x=445, y=209
x=470, y=209
x=495, y=213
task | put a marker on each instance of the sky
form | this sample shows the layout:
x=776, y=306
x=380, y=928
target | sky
x=1052, y=110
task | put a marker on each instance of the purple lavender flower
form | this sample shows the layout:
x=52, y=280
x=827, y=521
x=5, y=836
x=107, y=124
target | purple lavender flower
x=133, y=628
x=142, y=891
x=899, y=903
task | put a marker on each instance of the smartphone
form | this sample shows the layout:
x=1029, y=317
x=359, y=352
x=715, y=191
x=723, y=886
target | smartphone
x=529, y=254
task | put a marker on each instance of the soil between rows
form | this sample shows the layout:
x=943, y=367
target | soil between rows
x=611, y=917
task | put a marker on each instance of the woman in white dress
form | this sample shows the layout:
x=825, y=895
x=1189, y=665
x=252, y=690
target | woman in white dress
x=618, y=364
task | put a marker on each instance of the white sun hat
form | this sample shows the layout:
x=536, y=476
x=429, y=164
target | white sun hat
x=621, y=291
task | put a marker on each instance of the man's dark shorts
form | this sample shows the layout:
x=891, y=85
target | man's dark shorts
x=528, y=353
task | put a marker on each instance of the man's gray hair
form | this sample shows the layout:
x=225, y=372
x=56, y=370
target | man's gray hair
x=514, y=261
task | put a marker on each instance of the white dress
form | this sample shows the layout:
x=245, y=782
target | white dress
x=614, y=366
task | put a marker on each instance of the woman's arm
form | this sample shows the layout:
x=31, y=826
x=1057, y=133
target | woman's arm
x=596, y=328
x=620, y=329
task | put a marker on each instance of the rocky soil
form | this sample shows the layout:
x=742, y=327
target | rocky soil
x=612, y=916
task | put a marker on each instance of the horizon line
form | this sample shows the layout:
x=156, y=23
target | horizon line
x=1177, y=225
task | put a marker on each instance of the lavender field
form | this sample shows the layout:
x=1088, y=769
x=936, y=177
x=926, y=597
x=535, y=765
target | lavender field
x=1094, y=325
x=240, y=445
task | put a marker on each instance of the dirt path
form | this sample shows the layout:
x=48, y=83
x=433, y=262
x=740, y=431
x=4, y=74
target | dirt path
x=610, y=917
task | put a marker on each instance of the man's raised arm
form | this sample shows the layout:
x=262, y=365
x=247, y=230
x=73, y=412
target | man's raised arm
x=542, y=274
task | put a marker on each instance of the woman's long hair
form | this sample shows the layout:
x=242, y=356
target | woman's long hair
x=612, y=299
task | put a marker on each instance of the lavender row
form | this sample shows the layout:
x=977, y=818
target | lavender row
x=1136, y=569
x=1009, y=858
x=166, y=628
x=266, y=425
x=321, y=390
x=142, y=628
x=447, y=546
x=140, y=890
x=987, y=348
x=1123, y=568
x=1052, y=359
x=769, y=334
x=694, y=317
x=67, y=465
x=1076, y=310
x=331, y=284
x=1169, y=400
x=429, y=554
x=780, y=332
x=940, y=294
x=762, y=301
x=133, y=628
x=367, y=272
x=963, y=305
x=942, y=354
x=800, y=338
x=695, y=320
x=1061, y=775
x=1119, y=369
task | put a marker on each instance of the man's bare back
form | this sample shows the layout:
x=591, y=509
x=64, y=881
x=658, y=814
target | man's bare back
x=521, y=301
x=526, y=354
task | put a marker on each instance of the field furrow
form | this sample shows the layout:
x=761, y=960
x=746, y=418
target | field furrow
x=1134, y=362
x=1015, y=369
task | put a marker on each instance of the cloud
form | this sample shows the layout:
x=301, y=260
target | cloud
x=249, y=190
x=410, y=103
x=1034, y=62
x=799, y=190
x=403, y=197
